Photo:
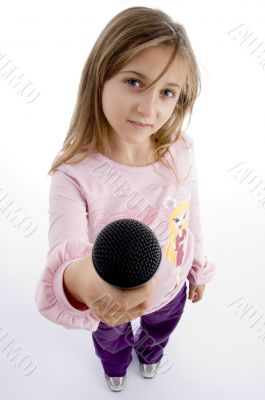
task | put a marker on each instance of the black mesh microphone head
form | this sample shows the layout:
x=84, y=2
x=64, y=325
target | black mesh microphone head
x=126, y=253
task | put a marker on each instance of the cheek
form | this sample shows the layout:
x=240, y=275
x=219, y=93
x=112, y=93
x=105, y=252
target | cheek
x=113, y=109
x=168, y=111
x=107, y=105
x=112, y=102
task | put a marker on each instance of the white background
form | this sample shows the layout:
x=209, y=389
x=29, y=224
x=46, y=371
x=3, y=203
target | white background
x=215, y=353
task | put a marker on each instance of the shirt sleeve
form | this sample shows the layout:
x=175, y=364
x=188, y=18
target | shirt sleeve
x=203, y=269
x=68, y=242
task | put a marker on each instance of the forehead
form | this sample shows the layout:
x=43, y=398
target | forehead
x=151, y=62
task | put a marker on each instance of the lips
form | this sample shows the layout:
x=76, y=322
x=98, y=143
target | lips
x=141, y=124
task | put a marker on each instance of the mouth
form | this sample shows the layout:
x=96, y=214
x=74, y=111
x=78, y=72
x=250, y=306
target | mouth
x=139, y=124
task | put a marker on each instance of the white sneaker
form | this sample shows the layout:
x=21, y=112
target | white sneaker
x=149, y=370
x=116, y=383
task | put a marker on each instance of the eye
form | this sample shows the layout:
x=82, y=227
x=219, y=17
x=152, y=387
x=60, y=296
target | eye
x=137, y=80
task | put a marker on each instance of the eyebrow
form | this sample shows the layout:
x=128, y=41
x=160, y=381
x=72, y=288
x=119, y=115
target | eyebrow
x=144, y=77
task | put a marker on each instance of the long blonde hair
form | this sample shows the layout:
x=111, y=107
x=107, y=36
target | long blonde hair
x=129, y=32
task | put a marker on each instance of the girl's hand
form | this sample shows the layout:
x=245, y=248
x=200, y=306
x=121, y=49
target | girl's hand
x=109, y=304
x=196, y=292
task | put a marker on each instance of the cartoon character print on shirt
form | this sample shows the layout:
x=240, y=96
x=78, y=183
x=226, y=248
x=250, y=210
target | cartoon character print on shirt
x=177, y=241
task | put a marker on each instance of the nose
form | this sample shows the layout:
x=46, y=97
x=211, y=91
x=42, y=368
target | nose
x=147, y=103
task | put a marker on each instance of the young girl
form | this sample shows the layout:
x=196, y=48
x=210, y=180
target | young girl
x=138, y=84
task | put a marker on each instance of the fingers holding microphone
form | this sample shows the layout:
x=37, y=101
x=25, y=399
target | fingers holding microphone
x=126, y=256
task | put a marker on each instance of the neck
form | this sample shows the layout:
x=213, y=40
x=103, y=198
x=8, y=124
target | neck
x=132, y=155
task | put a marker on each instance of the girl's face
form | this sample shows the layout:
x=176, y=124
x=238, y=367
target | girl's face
x=123, y=99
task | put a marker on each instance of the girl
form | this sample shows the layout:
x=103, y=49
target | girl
x=138, y=84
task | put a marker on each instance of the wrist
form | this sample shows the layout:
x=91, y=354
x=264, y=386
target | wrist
x=73, y=278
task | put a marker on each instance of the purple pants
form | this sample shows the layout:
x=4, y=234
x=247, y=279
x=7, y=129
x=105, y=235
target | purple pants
x=113, y=345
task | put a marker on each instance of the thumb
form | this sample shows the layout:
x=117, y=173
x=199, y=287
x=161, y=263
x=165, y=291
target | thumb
x=192, y=292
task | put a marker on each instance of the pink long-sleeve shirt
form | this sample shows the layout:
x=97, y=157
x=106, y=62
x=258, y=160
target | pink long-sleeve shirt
x=86, y=196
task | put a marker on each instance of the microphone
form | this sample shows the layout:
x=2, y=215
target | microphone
x=126, y=253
